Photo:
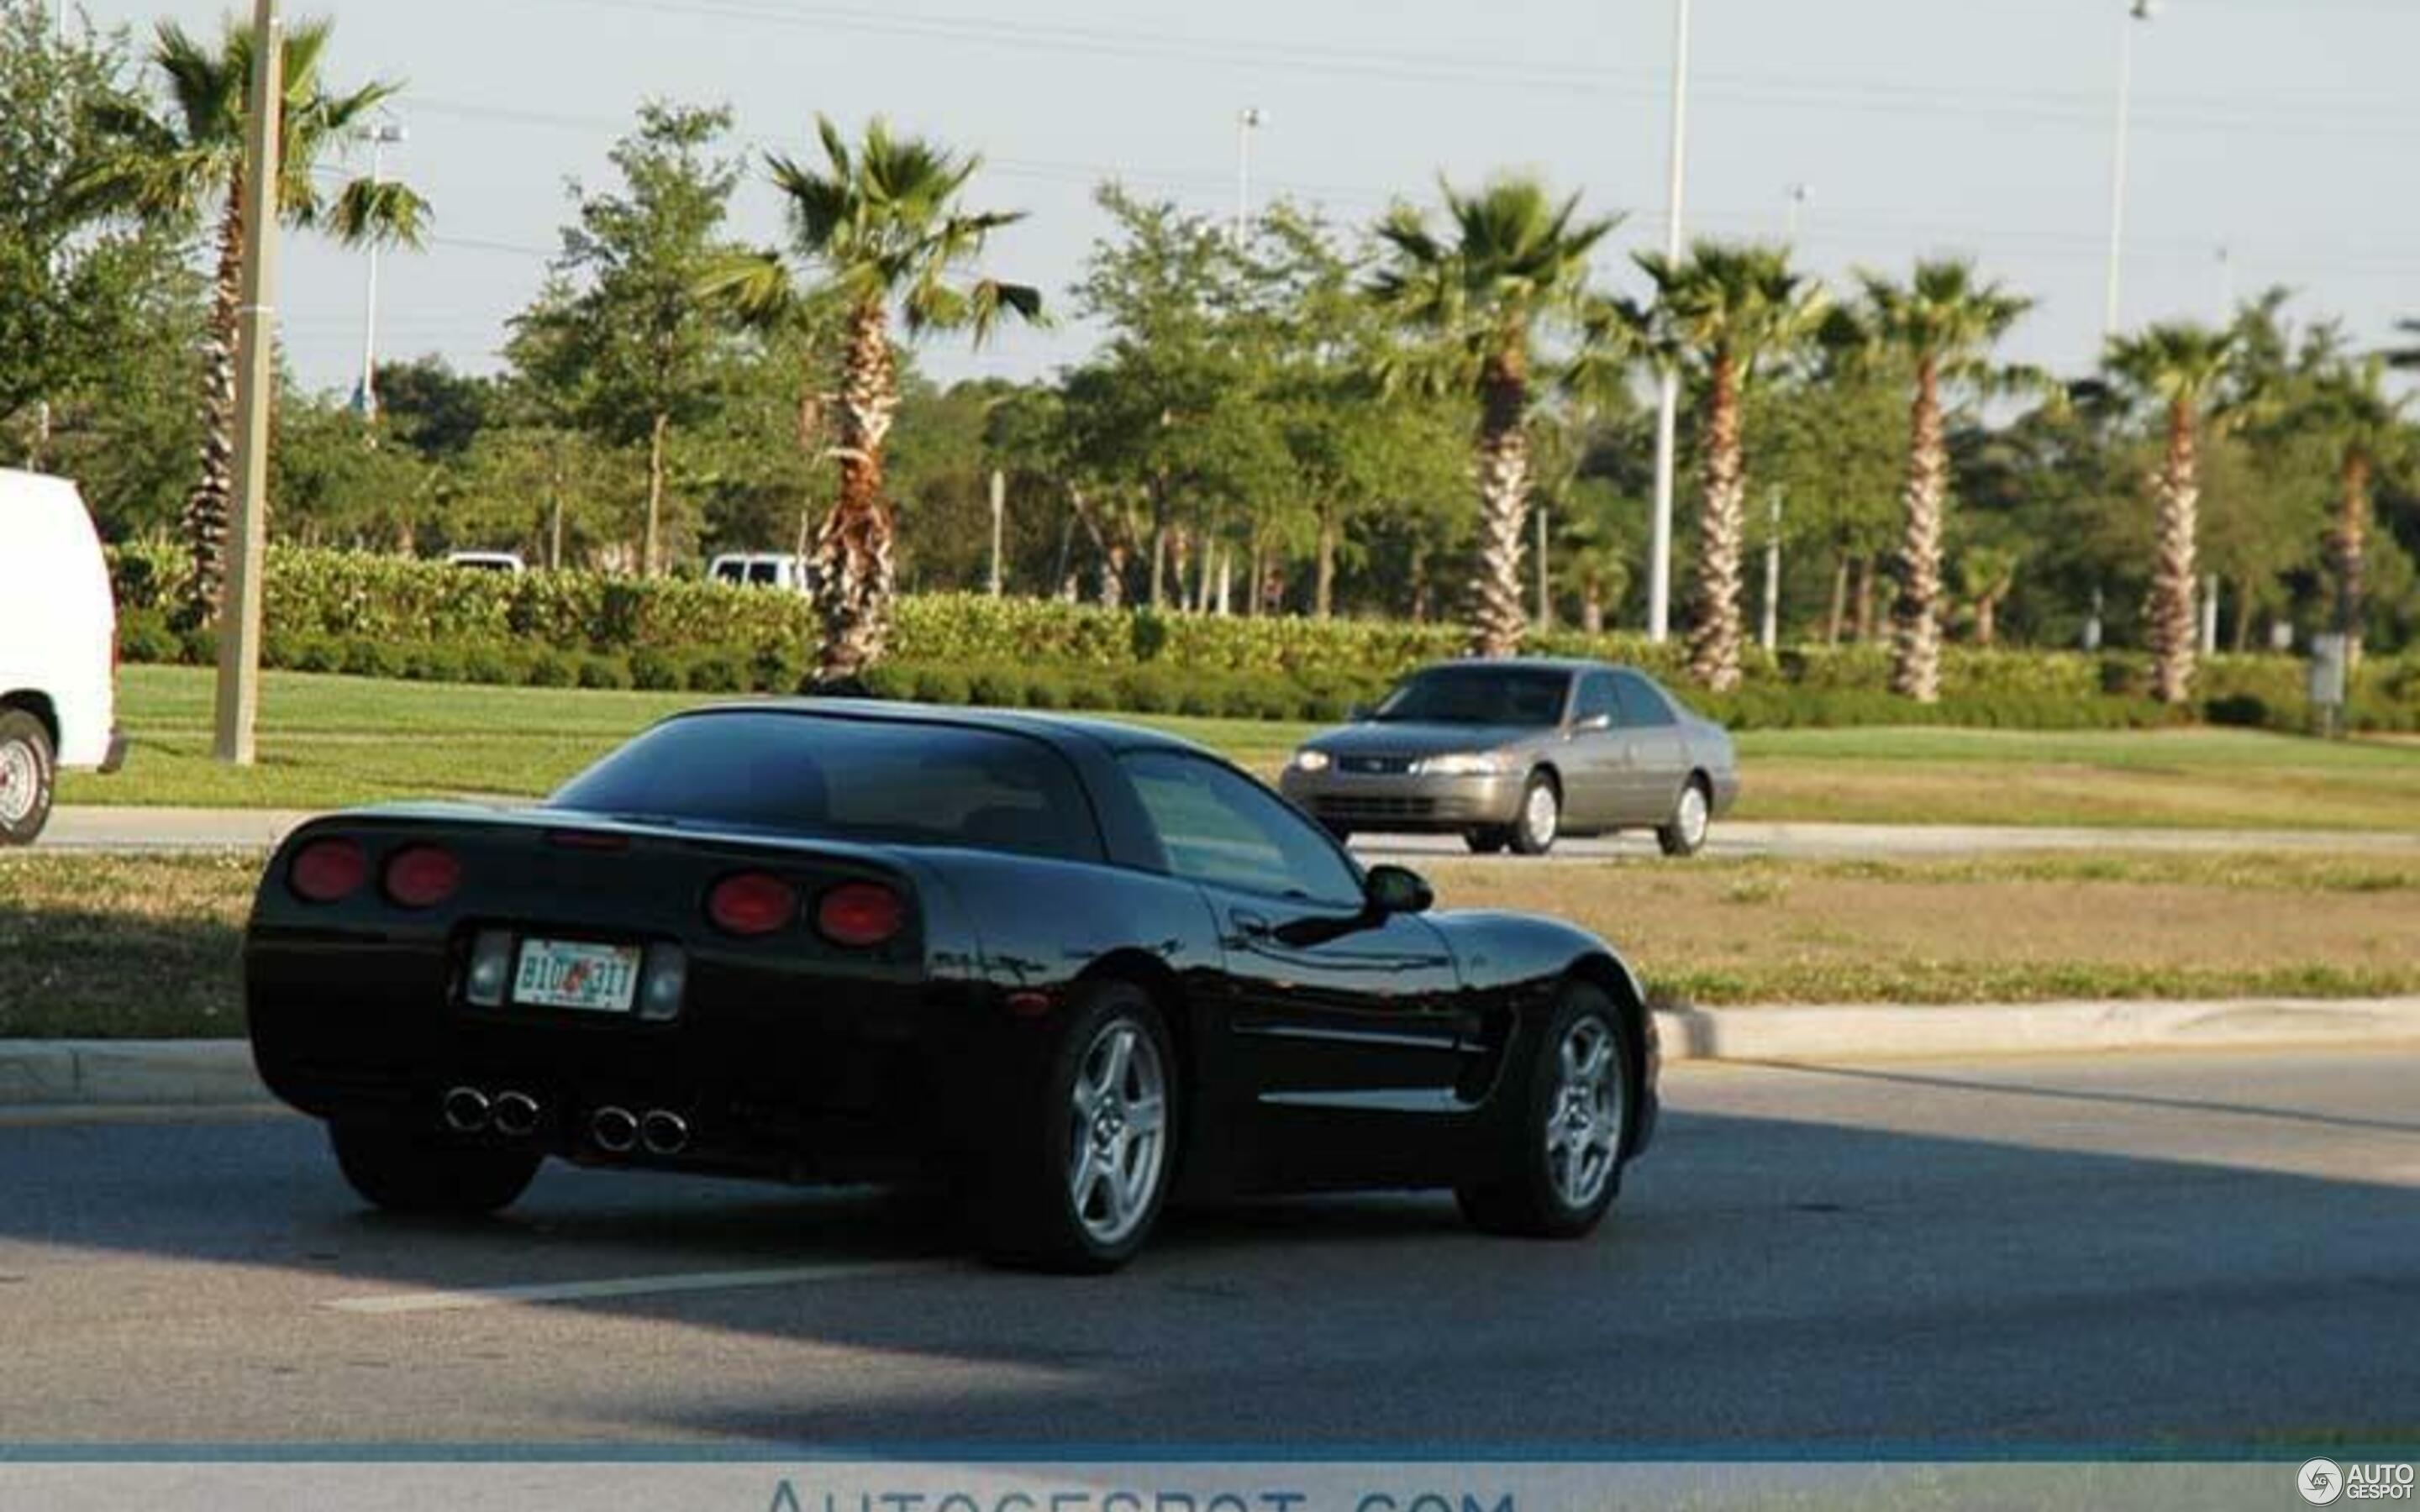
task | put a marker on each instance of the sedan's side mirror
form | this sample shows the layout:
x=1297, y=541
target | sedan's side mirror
x=1588, y=722
x=1357, y=714
x=1397, y=889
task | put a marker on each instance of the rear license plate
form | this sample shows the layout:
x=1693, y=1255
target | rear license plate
x=600, y=979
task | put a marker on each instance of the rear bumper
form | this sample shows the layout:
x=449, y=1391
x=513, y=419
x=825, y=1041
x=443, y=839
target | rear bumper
x=1405, y=803
x=842, y=1081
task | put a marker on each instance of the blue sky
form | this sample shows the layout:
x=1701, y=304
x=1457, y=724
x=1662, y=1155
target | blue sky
x=2277, y=129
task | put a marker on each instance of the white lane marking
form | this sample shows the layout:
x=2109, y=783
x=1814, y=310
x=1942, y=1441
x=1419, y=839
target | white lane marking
x=629, y=1286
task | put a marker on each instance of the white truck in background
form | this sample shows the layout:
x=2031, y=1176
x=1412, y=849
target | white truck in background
x=58, y=649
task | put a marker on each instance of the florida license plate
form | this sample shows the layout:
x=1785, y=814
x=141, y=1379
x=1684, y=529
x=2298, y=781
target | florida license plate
x=600, y=978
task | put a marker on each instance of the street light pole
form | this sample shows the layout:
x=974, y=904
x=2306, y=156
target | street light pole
x=239, y=685
x=382, y=136
x=1668, y=414
x=2135, y=10
x=1769, y=632
x=1247, y=120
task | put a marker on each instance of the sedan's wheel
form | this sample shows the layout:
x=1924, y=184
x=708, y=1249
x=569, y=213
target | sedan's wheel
x=1080, y=1188
x=1540, y=818
x=1486, y=842
x=406, y=1171
x=1684, y=834
x=1560, y=1165
x=26, y=774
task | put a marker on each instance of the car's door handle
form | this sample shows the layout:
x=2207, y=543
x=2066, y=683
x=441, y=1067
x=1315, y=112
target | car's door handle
x=1250, y=925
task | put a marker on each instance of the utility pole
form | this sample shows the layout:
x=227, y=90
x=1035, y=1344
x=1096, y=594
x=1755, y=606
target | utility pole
x=1668, y=414
x=1545, y=579
x=382, y=136
x=999, y=525
x=2135, y=10
x=1247, y=120
x=238, y=689
x=1770, y=633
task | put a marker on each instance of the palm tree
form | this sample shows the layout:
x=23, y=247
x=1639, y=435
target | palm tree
x=171, y=167
x=1514, y=266
x=2348, y=404
x=2179, y=366
x=878, y=230
x=1987, y=575
x=1944, y=322
x=1723, y=311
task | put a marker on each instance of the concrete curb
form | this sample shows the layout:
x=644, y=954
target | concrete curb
x=206, y=1073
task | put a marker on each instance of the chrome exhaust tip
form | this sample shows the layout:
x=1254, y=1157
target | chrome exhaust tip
x=516, y=1114
x=664, y=1133
x=466, y=1110
x=616, y=1129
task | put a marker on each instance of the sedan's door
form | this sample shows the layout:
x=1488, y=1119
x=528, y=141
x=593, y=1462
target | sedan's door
x=1347, y=1026
x=1597, y=777
x=1659, y=755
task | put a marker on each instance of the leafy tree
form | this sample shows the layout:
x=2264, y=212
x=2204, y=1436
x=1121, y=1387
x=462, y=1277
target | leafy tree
x=1723, y=311
x=432, y=408
x=167, y=167
x=2370, y=431
x=880, y=231
x=1944, y=322
x=2179, y=366
x=622, y=333
x=1511, y=269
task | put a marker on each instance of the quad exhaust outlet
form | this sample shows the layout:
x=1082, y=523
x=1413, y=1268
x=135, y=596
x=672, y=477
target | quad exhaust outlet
x=516, y=1114
x=664, y=1132
x=467, y=1110
x=614, y=1129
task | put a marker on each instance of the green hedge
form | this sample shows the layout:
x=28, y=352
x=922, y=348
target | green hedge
x=384, y=616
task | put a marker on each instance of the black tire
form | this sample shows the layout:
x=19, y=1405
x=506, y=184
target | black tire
x=405, y=1171
x=1027, y=1213
x=1682, y=834
x=1524, y=1195
x=26, y=757
x=1527, y=836
x=1488, y=841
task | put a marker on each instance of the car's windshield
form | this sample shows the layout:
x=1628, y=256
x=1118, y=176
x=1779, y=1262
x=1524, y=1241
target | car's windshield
x=878, y=781
x=1477, y=695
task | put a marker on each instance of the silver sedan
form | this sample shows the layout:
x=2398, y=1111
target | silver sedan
x=1517, y=753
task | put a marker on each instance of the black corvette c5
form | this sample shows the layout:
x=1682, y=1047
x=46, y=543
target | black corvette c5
x=1069, y=966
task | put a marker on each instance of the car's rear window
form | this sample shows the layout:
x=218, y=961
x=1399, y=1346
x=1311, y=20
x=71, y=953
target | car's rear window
x=874, y=781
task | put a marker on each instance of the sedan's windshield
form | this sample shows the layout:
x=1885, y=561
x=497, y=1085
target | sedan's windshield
x=879, y=782
x=1477, y=695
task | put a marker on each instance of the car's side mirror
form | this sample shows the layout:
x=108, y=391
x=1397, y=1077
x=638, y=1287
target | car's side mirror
x=1357, y=714
x=1588, y=722
x=1397, y=889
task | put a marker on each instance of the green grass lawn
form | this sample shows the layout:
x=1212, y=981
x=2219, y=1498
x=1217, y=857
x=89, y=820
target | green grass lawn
x=1706, y=931
x=327, y=741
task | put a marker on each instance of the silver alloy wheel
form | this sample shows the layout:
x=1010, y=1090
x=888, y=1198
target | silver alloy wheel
x=1119, y=1136
x=21, y=782
x=1691, y=817
x=1542, y=814
x=1584, y=1113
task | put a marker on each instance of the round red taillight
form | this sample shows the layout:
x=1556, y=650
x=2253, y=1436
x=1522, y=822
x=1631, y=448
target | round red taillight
x=860, y=913
x=418, y=876
x=752, y=903
x=327, y=870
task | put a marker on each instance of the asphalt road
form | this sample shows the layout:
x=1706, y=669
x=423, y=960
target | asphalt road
x=127, y=829
x=2114, y=1249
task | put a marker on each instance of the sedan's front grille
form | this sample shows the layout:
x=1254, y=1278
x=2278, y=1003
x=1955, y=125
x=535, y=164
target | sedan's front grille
x=1375, y=765
x=1334, y=807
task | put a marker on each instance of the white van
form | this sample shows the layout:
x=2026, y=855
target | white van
x=763, y=569
x=58, y=649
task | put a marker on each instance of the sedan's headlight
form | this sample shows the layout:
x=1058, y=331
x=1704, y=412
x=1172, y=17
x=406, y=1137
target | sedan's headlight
x=1311, y=761
x=1464, y=763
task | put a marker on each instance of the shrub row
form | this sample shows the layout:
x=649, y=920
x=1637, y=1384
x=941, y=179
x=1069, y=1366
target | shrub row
x=669, y=633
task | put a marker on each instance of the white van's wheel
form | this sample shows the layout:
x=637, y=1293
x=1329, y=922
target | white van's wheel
x=27, y=771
